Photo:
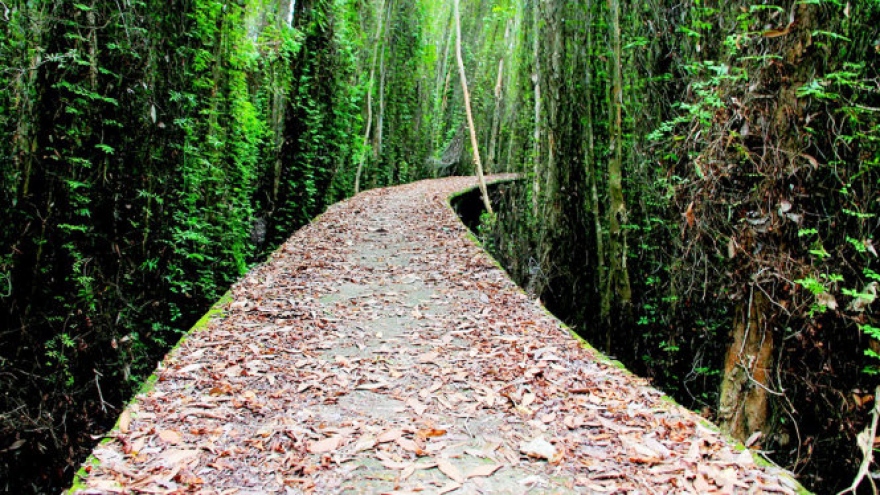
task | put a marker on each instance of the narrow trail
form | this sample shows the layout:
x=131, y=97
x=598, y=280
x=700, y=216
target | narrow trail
x=380, y=350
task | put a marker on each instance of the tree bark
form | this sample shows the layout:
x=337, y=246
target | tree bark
x=536, y=82
x=618, y=277
x=592, y=180
x=467, y=107
x=380, y=15
x=380, y=122
x=743, y=406
x=496, y=116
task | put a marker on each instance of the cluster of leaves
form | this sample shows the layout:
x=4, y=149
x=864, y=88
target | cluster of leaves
x=151, y=146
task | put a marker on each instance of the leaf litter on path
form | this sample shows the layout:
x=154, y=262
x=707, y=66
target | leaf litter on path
x=379, y=350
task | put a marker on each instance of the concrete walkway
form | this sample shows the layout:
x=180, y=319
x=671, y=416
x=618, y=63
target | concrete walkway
x=380, y=350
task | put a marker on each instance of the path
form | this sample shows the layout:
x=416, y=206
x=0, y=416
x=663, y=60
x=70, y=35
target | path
x=381, y=351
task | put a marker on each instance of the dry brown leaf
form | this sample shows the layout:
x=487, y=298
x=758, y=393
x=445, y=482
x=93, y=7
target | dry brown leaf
x=170, y=436
x=390, y=436
x=430, y=433
x=125, y=421
x=326, y=445
x=137, y=446
x=173, y=457
x=540, y=449
x=416, y=406
x=483, y=470
x=450, y=470
x=449, y=487
x=701, y=485
x=366, y=442
x=411, y=446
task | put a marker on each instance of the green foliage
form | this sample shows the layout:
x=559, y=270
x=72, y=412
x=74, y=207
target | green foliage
x=144, y=136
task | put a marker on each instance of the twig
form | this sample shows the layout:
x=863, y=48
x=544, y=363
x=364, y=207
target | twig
x=100, y=395
x=866, y=444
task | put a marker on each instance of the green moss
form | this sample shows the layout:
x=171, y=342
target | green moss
x=215, y=311
x=79, y=479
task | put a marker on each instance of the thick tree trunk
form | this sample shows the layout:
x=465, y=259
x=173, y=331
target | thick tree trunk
x=467, y=108
x=743, y=408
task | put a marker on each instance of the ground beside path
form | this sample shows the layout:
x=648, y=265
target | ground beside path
x=380, y=350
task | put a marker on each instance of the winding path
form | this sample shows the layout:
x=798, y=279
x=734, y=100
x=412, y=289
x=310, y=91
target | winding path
x=380, y=350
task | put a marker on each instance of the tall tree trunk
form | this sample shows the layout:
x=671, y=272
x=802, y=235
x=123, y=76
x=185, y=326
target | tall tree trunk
x=536, y=82
x=592, y=180
x=380, y=122
x=496, y=115
x=467, y=108
x=380, y=14
x=618, y=277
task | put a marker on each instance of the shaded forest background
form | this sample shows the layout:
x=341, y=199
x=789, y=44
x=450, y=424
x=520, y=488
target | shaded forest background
x=699, y=195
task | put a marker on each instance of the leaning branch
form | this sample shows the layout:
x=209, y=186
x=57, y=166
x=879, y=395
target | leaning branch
x=467, y=108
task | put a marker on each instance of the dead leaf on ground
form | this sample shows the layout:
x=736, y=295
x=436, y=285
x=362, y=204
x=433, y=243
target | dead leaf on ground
x=326, y=445
x=540, y=449
x=450, y=470
x=390, y=436
x=483, y=470
x=170, y=436
x=125, y=421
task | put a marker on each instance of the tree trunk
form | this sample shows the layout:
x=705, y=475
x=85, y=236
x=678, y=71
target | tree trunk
x=380, y=15
x=496, y=116
x=618, y=277
x=536, y=81
x=743, y=406
x=592, y=180
x=467, y=108
x=380, y=122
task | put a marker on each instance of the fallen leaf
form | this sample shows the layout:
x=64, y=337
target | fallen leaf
x=701, y=485
x=430, y=433
x=416, y=406
x=174, y=457
x=125, y=421
x=365, y=442
x=540, y=449
x=449, y=487
x=170, y=436
x=326, y=445
x=483, y=470
x=411, y=446
x=450, y=470
x=389, y=436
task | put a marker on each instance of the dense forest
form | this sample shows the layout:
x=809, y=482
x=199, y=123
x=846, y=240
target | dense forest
x=699, y=189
